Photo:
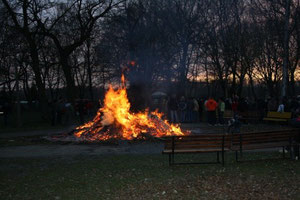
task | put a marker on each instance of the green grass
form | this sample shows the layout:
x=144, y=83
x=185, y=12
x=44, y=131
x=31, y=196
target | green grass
x=148, y=177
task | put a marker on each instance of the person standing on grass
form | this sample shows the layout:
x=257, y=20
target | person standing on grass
x=221, y=110
x=69, y=112
x=190, y=108
x=182, y=107
x=234, y=106
x=211, y=106
x=200, y=110
x=81, y=110
x=280, y=107
x=272, y=104
x=53, y=112
x=195, y=110
x=60, y=109
x=173, y=107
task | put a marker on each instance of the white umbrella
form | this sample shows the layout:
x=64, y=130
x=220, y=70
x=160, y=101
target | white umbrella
x=158, y=94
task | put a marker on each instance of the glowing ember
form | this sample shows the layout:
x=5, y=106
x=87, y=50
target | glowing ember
x=114, y=120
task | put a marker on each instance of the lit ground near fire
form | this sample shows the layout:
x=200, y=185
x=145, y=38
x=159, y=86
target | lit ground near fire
x=35, y=169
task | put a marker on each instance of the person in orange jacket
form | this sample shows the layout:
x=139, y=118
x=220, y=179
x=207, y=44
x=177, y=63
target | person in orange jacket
x=211, y=106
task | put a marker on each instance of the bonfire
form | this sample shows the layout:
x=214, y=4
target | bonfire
x=115, y=120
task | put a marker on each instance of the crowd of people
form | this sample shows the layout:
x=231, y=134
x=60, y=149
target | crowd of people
x=62, y=112
x=178, y=109
x=58, y=112
x=190, y=110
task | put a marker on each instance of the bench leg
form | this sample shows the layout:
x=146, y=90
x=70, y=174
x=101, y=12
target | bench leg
x=236, y=156
x=241, y=152
x=223, y=158
x=283, y=152
x=218, y=158
x=171, y=159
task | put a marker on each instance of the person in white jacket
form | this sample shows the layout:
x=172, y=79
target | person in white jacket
x=280, y=107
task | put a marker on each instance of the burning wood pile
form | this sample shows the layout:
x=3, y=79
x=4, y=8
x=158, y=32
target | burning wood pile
x=115, y=121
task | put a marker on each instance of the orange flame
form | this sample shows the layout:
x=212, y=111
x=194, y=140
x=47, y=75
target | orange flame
x=114, y=120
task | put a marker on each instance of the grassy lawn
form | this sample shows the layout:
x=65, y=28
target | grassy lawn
x=30, y=121
x=148, y=177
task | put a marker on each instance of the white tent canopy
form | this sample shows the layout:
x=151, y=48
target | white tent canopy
x=158, y=94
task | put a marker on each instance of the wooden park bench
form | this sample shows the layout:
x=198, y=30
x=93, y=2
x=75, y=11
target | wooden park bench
x=278, y=116
x=264, y=140
x=196, y=144
x=228, y=114
x=250, y=116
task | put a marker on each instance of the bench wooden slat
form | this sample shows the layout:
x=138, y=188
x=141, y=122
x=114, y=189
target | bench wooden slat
x=196, y=144
x=252, y=141
x=260, y=146
x=228, y=114
x=281, y=115
x=278, y=116
x=260, y=138
x=199, y=150
x=295, y=131
x=194, y=137
x=275, y=119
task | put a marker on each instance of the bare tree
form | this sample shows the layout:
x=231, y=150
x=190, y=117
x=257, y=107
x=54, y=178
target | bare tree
x=70, y=28
x=21, y=13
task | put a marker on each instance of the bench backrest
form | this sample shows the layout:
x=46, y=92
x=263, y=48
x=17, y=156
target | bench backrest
x=279, y=115
x=264, y=137
x=250, y=114
x=197, y=142
x=228, y=114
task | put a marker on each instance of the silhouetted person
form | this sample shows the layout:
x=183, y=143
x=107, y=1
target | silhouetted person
x=211, y=106
x=173, y=107
x=261, y=107
x=234, y=125
x=272, y=104
x=182, y=107
x=53, y=108
x=234, y=106
x=69, y=111
x=201, y=109
x=189, y=110
x=6, y=112
x=6, y=107
x=221, y=110
x=195, y=110
x=81, y=111
x=60, y=110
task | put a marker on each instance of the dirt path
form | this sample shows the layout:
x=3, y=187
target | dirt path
x=54, y=131
x=50, y=150
x=73, y=149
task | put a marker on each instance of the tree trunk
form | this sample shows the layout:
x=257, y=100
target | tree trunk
x=182, y=69
x=71, y=92
x=38, y=80
x=206, y=76
x=240, y=86
x=89, y=70
x=18, y=106
x=292, y=82
x=285, y=49
x=252, y=86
